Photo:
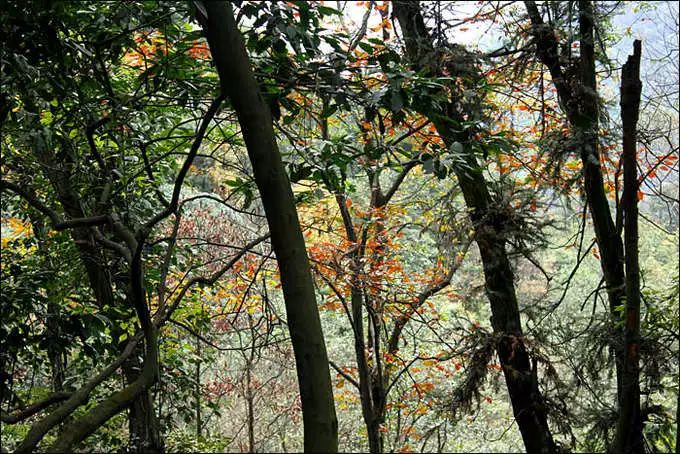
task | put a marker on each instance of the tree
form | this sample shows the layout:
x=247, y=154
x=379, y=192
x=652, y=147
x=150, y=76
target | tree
x=84, y=116
x=520, y=375
x=237, y=82
x=577, y=92
x=629, y=436
x=182, y=198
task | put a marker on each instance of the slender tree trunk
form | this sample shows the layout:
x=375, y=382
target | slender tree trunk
x=363, y=369
x=54, y=353
x=586, y=122
x=368, y=381
x=250, y=411
x=520, y=377
x=55, y=349
x=629, y=437
x=197, y=390
x=239, y=84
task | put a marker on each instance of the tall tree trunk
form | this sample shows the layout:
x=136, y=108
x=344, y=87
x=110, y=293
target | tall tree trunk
x=520, y=377
x=586, y=122
x=579, y=100
x=629, y=437
x=370, y=383
x=239, y=84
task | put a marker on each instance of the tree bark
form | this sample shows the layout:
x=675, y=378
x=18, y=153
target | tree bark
x=629, y=437
x=239, y=84
x=19, y=415
x=145, y=433
x=527, y=401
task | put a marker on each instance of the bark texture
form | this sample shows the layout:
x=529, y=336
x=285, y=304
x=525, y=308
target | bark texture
x=239, y=84
x=143, y=425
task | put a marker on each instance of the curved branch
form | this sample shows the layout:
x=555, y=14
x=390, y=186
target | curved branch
x=163, y=315
x=25, y=413
x=78, y=398
x=81, y=428
x=393, y=343
x=57, y=222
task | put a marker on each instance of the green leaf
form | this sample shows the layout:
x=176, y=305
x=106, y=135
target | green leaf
x=46, y=118
x=326, y=11
x=366, y=47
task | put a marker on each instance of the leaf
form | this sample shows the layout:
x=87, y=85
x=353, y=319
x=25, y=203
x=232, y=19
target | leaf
x=366, y=48
x=46, y=118
x=326, y=11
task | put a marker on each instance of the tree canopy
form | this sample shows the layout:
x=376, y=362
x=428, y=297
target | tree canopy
x=372, y=226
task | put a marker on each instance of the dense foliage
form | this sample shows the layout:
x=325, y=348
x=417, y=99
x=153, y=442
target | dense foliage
x=411, y=226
